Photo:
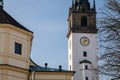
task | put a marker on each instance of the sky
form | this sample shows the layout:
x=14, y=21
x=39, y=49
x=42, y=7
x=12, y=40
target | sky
x=48, y=20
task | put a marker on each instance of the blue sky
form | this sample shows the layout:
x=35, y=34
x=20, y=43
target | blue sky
x=48, y=20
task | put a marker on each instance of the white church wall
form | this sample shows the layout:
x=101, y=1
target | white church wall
x=77, y=53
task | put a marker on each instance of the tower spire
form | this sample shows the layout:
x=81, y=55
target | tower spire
x=94, y=6
x=1, y=3
x=81, y=26
x=72, y=3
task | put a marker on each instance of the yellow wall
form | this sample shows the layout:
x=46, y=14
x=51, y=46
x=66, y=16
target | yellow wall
x=52, y=75
x=8, y=72
x=10, y=34
x=16, y=67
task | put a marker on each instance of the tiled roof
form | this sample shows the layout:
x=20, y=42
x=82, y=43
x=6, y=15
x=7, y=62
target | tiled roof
x=5, y=18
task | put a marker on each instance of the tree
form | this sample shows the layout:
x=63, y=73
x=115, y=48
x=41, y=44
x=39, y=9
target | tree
x=109, y=32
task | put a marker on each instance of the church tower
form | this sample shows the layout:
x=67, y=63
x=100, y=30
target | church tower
x=82, y=40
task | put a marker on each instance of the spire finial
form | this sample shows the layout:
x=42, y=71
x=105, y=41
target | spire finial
x=94, y=6
x=1, y=3
x=72, y=3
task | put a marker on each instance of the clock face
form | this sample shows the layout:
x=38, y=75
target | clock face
x=84, y=41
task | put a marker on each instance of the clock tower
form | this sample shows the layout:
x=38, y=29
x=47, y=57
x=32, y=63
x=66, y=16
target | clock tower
x=82, y=40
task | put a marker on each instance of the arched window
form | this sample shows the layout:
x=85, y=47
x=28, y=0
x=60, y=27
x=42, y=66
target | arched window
x=83, y=21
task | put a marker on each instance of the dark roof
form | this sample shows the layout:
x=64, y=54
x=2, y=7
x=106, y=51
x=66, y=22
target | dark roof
x=37, y=68
x=85, y=61
x=45, y=69
x=5, y=18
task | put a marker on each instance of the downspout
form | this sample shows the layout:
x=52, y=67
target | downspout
x=29, y=75
x=33, y=75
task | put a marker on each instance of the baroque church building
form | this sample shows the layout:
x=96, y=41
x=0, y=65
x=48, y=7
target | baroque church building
x=15, y=49
x=82, y=40
x=16, y=42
